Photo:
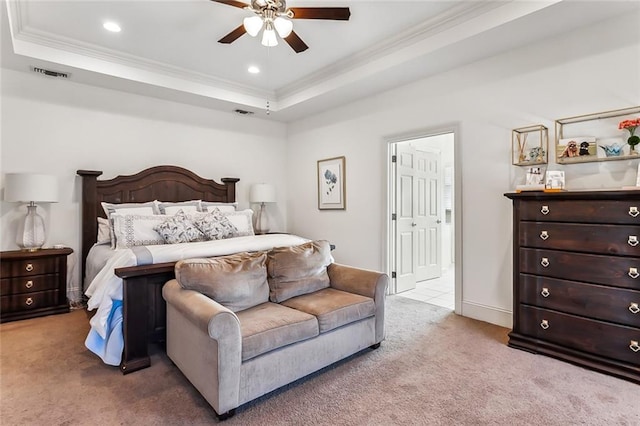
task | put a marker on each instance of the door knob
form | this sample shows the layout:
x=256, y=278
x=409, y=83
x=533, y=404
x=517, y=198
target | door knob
x=414, y=224
x=438, y=221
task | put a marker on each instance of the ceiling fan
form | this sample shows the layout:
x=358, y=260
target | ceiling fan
x=275, y=17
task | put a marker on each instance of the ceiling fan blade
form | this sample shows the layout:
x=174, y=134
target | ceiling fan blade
x=233, y=35
x=234, y=3
x=333, y=13
x=296, y=42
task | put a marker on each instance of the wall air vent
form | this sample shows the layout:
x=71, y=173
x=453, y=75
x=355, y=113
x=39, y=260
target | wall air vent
x=50, y=73
x=242, y=112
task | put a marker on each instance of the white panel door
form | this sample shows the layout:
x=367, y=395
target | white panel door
x=429, y=217
x=405, y=226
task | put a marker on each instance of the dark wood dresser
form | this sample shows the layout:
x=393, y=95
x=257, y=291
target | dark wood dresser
x=33, y=284
x=576, y=283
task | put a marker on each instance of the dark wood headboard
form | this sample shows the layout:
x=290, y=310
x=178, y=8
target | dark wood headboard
x=164, y=183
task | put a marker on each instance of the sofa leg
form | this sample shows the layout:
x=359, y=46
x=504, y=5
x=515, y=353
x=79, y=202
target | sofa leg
x=376, y=346
x=227, y=415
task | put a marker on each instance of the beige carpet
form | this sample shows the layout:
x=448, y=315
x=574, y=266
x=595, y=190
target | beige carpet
x=435, y=368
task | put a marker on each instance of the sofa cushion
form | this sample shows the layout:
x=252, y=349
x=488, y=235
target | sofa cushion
x=297, y=270
x=237, y=281
x=269, y=326
x=333, y=308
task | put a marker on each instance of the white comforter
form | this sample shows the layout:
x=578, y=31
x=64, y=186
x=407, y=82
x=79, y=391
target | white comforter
x=105, y=291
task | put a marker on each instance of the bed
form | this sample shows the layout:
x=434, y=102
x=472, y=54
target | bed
x=142, y=306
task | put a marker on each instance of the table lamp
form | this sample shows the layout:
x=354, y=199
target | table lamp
x=262, y=193
x=32, y=189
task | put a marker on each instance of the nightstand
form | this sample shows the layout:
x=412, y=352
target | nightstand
x=33, y=283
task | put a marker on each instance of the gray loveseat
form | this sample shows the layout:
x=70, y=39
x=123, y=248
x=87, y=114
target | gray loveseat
x=243, y=325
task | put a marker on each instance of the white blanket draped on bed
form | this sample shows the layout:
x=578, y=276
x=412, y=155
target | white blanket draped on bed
x=105, y=338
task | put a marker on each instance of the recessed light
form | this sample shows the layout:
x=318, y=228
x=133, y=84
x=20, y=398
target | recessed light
x=112, y=26
x=253, y=69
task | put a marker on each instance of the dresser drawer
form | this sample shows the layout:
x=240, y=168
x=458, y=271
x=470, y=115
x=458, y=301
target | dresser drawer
x=617, y=305
x=25, y=268
x=29, y=301
x=605, y=239
x=10, y=286
x=595, y=211
x=590, y=268
x=592, y=336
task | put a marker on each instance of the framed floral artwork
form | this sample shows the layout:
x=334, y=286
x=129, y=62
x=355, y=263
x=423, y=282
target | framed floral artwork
x=331, y=184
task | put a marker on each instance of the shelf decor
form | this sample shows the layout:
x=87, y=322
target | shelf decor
x=530, y=145
x=597, y=137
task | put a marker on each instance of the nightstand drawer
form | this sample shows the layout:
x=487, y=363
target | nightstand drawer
x=604, y=239
x=617, y=342
x=30, y=301
x=25, y=268
x=591, y=268
x=9, y=286
x=585, y=211
x=617, y=305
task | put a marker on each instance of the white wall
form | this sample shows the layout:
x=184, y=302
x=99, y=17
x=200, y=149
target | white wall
x=590, y=70
x=57, y=127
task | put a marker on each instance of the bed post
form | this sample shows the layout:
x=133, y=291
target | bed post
x=230, y=183
x=89, y=214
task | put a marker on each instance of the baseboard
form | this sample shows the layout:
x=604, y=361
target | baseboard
x=489, y=314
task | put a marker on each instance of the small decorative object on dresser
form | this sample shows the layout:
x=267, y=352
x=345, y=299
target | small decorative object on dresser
x=576, y=278
x=33, y=283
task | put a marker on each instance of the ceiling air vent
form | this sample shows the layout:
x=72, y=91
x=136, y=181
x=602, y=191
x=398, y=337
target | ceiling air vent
x=50, y=73
x=242, y=112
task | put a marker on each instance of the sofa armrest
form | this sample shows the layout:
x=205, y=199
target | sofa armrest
x=204, y=341
x=365, y=283
x=359, y=281
x=202, y=311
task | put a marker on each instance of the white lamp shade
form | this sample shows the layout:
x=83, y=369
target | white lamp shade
x=262, y=193
x=27, y=187
x=269, y=38
x=283, y=26
x=253, y=25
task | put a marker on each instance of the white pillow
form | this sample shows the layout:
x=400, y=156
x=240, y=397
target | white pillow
x=208, y=206
x=171, y=208
x=104, y=231
x=242, y=220
x=137, y=230
x=129, y=208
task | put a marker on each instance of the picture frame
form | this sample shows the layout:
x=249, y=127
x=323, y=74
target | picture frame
x=332, y=184
x=554, y=180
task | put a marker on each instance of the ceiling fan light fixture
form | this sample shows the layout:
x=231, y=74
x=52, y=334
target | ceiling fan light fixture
x=253, y=25
x=269, y=38
x=283, y=26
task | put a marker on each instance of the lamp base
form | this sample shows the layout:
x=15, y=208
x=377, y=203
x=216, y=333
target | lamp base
x=31, y=233
x=262, y=221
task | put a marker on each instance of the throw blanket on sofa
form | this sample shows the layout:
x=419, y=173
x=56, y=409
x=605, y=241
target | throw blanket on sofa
x=105, y=338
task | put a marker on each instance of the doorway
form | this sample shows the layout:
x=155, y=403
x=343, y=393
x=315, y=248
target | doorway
x=422, y=243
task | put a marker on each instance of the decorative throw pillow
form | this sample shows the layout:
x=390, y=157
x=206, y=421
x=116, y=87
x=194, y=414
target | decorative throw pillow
x=110, y=209
x=237, y=281
x=214, y=225
x=242, y=220
x=136, y=230
x=172, y=208
x=207, y=206
x=179, y=229
x=298, y=270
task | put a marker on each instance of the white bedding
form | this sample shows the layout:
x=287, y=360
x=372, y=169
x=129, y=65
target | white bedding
x=105, y=291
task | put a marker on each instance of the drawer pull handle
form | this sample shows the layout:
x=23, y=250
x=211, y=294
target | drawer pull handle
x=633, y=211
x=545, y=262
x=545, y=292
x=545, y=210
x=634, y=346
x=29, y=301
x=28, y=284
x=633, y=273
x=634, y=308
x=545, y=324
x=544, y=235
x=29, y=267
x=633, y=240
